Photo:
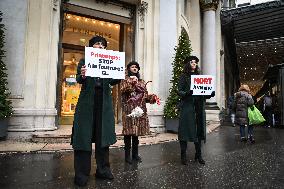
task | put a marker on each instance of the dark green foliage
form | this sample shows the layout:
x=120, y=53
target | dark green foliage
x=183, y=50
x=5, y=104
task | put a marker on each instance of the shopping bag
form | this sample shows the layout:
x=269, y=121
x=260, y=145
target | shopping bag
x=255, y=116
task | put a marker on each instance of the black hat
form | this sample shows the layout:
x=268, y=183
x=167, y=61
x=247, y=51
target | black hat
x=133, y=63
x=96, y=39
x=190, y=58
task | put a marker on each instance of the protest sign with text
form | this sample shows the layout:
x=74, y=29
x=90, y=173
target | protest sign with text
x=202, y=84
x=104, y=63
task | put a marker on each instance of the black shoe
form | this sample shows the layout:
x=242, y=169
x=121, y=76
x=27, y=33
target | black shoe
x=183, y=161
x=107, y=175
x=251, y=139
x=243, y=139
x=128, y=160
x=137, y=158
x=80, y=181
x=199, y=159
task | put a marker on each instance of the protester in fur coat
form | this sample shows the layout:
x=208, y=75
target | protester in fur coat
x=135, y=121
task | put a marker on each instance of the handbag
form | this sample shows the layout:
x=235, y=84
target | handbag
x=255, y=116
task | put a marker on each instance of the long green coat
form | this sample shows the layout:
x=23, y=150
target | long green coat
x=192, y=122
x=82, y=131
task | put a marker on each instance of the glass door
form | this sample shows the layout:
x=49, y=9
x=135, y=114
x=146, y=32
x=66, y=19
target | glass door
x=76, y=35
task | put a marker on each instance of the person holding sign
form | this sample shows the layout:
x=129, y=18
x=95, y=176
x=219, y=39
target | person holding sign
x=192, y=122
x=93, y=122
x=135, y=121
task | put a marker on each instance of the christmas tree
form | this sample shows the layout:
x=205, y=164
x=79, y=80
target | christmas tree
x=5, y=105
x=183, y=50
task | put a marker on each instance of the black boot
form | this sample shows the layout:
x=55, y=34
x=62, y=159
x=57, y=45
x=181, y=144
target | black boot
x=127, y=148
x=183, y=147
x=82, y=166
x=135, y=143
x=198, y=155
x=103, y=171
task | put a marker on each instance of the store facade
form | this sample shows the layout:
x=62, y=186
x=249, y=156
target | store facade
x=51, y=36
x=79, y=25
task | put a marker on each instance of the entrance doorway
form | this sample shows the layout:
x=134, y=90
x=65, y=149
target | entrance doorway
x=77, y=32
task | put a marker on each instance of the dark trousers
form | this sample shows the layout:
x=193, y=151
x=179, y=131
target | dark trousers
x=197, y=149
x=243, y=131
x=183, y=147
x=268, y=116
x=82, y=162
x=127, y=143
x=82, y=159
x=82, y=165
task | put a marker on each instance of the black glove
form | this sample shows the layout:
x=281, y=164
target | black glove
x=212, y=94
x=251, y=108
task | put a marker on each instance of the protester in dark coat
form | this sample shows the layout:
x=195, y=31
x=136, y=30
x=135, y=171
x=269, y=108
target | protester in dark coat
x=134, y=94
x=243, y=100
x=231, y=110
x=93, y=122
x=192, y=122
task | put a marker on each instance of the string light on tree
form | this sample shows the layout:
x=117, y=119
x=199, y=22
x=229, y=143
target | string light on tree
x=183, y=49
x=5, y=104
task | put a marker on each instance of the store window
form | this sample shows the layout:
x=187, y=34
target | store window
x=77, y=32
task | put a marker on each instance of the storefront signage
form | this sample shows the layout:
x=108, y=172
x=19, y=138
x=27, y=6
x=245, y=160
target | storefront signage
x=104, y=63
x=89, y=32
x=202, y=84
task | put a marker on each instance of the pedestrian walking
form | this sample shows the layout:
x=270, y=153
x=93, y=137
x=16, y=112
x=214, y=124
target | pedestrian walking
x=231, y=110
x=93, y=122
x=192, y=122
x=243, y=101
x=135, y=121
x=267, y=109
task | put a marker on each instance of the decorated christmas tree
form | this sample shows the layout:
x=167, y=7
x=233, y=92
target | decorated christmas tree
x=5, y=104
x=183, y=50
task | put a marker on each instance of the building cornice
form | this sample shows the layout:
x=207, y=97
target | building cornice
x=230, y=14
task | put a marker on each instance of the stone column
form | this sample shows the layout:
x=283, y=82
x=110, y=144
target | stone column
x=36, y=110
x=209, y=59
x=147, y=54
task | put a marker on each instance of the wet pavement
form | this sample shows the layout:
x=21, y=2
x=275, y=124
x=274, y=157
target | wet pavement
x=229, y=164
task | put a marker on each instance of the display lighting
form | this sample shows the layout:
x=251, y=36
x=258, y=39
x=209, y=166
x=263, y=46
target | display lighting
x=78, y=18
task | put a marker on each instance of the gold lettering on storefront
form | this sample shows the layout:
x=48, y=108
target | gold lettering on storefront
x=89, y=32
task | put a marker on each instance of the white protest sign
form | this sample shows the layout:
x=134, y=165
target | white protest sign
x=202, y=84
x=104, y=63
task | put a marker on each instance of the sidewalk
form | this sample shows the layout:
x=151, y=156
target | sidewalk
x=12, y=146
